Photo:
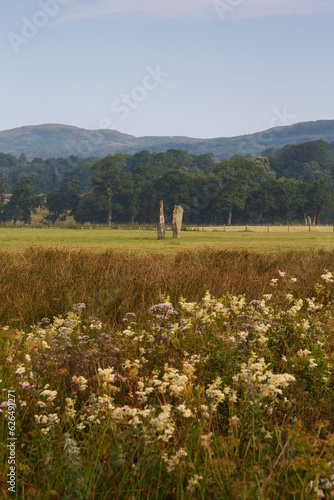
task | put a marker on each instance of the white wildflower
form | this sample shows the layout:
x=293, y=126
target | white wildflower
x=51, y=395
x=193, y=481
x=328, y=277
x=175, y=460
x=80, y=381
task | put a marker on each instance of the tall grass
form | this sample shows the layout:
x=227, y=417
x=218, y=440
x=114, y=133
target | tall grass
x=141, y=395
x=45, y=282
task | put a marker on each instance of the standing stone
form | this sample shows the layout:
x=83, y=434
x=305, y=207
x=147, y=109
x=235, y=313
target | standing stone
x=177, y=221
x=161, y=224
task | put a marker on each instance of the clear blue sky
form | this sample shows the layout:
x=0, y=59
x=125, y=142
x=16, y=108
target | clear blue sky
x=199, y=68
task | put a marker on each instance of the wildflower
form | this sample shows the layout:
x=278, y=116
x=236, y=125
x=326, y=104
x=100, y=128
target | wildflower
x=27, y=358
x=214, y=392
x=20, y=370
x=305, y=324
x=45, y=430
x=166, y=306
x=281, y=273
x=293, y=280
x=256, y=303
x=79, y=306
x=51, y=395
x=164, y=424
x=186, y=413
x=80, y=381
x=189, y=307
x=96, y=324
x=303, y=353
x=69, y=408
x=273, y=282
x=233, y=396
x=175, y=460
x=243, y=335
x=234, y=420
x=312, y=363
x=312, y=306
x=206, y=441
x=71, y=449
x=177, y=382
x=107, y=375
x=289, y=296
x=328, y=277
x=193, y=481
x=44, y=321
x=295, y=308
x=205, y=411
x=268, y=296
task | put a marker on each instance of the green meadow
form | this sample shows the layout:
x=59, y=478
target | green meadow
x=145, y=240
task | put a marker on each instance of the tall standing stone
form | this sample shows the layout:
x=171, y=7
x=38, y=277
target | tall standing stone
x=161, y=224
x=177, y=221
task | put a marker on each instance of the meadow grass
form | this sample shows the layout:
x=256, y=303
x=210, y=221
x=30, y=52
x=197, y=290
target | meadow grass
x=204, y=374
x=145, y=241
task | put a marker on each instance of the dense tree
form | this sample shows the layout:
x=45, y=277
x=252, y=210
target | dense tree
x=3, y=191
x=92, y=208
x=24, y=201
x=290, y=198
x=62, y=202
x=321, y=199
x=235, y=178
x=262, y=200
x=175, y=188
x=299, y=160
x=128, y=187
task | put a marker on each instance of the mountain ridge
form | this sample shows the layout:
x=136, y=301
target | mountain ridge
x=56, y=140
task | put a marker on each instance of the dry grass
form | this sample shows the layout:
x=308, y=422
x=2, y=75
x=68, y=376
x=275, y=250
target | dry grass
x=42, y=282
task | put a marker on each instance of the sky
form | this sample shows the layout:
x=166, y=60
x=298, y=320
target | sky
x=196, y=68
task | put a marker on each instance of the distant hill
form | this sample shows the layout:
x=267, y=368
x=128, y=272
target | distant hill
x=55, y=141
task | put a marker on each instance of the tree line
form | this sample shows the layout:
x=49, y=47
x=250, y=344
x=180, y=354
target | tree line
x=280, y=186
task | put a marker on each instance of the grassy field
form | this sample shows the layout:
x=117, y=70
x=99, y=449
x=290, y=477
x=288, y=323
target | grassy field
x=145, y=241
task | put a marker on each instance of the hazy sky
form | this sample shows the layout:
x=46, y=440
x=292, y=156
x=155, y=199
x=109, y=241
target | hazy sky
x=200, y=68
